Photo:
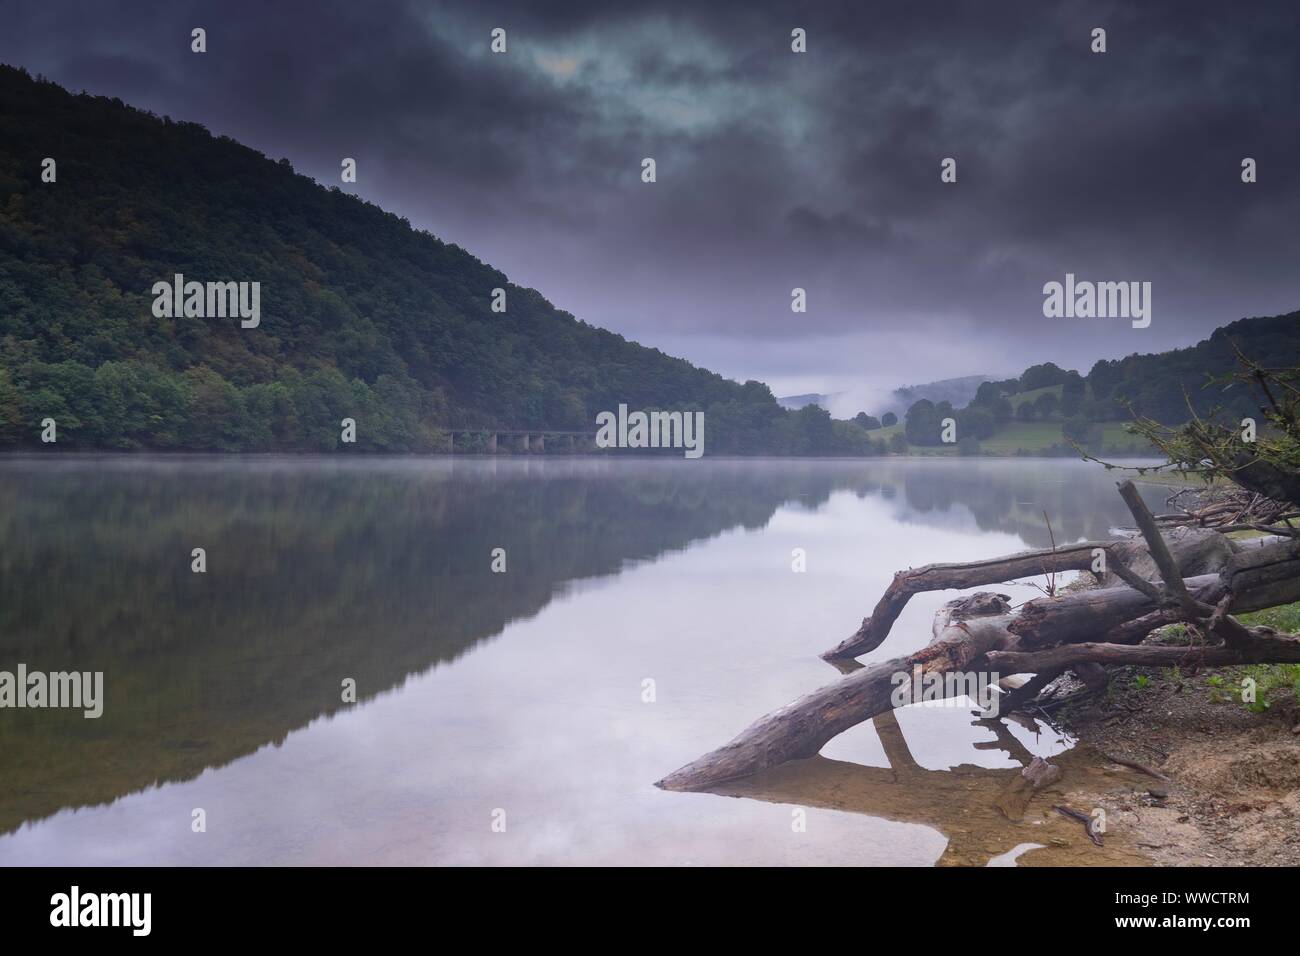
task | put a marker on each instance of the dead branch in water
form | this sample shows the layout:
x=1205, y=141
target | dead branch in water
x=1202, y=577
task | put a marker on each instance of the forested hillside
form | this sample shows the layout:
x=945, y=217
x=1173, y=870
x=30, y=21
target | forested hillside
x=1154, y=385
x=1052, y=410
x=361, y=315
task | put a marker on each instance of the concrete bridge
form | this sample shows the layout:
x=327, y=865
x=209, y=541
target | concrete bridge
x=523, y=440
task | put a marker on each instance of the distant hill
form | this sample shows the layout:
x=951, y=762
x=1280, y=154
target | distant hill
x=1155, y=385
x=955, y=391
x=796, y=402
x=361, y=316
x=1162, y=385
x=1050, y=410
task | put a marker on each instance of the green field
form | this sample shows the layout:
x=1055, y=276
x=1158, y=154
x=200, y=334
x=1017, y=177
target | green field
x=887, y=433
x=1031, y=438
x=1032, y=395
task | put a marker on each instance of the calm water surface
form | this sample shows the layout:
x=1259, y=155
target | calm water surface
x=480, y=692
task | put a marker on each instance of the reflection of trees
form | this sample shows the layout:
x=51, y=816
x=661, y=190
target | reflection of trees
x=1011, y=497
x=959, y=802
x=314, y=574
x=374, y=571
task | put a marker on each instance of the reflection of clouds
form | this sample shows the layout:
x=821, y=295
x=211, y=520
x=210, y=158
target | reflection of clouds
x=546, y=721
x=940, y=738
x=1009, y=858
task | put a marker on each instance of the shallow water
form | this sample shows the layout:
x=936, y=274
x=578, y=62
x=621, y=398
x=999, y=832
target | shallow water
x=482, y=692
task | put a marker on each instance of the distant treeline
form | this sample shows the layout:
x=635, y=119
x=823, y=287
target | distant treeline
x=1167, y=387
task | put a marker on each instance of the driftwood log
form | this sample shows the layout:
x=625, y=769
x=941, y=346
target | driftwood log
x=1190, y=575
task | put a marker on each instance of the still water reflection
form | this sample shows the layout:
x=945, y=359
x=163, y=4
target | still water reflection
x=479, y=691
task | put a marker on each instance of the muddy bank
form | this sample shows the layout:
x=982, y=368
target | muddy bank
x=1232, y=796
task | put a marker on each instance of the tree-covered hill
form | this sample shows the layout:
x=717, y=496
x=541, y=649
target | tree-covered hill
x=1049, y=409
x=362, y=316
x=1154, y=385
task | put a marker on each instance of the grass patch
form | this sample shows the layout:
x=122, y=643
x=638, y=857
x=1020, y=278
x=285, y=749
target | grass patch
x=1267, y=677
x=1029, y=438
x=1226, y=684
x=1113, y=435
x=1026, y=436
x=1032, y=395
x=1284, y=618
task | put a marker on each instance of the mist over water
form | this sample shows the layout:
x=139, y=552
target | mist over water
x=478, y=691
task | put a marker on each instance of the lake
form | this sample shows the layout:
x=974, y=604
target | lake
x=647, y=612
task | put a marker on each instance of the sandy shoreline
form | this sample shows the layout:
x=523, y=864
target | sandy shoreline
x=1233, y=793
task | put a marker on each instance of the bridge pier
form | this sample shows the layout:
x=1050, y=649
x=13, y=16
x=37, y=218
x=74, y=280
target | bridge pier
x=517, y=441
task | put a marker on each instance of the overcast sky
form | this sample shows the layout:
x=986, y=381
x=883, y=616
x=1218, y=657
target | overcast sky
x=775, y=169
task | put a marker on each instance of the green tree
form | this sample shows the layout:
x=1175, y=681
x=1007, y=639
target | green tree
x=1270, y=464
x=976, y=422
x=987, y=394
x=814, y=424
x=1085, y=434
x=11, y=410
x=922, y=423
x=1042, y=376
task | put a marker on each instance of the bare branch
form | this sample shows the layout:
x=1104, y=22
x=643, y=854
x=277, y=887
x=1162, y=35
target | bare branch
x=1131, y=578
x=1265, y=646
x=1159, y=550
x=969, y=574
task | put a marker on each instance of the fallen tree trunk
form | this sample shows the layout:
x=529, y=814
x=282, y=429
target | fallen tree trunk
x=1195, y=550
x=802, y=728
x=981, y=636
x=1264, y=647
x=971, y=574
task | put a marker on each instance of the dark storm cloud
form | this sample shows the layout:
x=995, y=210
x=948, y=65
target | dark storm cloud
x=775, y=170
